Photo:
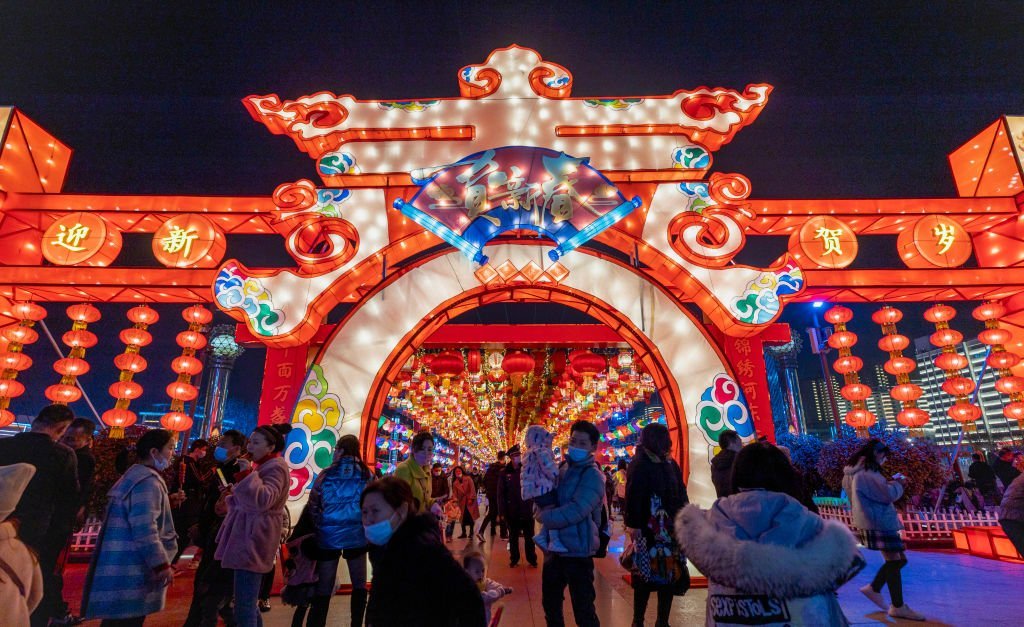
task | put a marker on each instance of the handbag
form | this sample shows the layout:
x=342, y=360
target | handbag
x=626, y=559
x=657, y=559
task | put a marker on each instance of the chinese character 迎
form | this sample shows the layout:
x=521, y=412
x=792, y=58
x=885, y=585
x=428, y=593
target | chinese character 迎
x=946, y=235
x=829, y=240
x=72, y=238
x=179, y=240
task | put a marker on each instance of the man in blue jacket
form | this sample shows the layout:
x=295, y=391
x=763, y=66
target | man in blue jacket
x=576, y=518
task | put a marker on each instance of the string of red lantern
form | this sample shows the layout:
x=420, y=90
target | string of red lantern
x=849, y=366
x=1000, y=359
x=13, y=360
x=186, y=366
x=78, y=339
x=951, y=363
x=130, y=363
x=907, y=393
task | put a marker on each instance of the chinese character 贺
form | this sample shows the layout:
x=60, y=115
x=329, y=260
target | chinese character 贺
x=829, y=241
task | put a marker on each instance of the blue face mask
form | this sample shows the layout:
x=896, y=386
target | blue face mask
x=380, y=532
x=220, y=454
x=577, y=454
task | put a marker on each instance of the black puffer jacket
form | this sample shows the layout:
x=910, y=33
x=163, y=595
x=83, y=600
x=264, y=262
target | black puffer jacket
x=721, y=472
x=510, y=496
x=646, y=477
x=417, y=582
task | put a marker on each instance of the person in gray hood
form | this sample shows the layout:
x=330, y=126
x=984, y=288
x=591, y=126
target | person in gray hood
x=874, y=516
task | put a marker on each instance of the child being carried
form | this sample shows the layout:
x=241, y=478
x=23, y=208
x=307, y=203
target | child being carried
x=539, y=480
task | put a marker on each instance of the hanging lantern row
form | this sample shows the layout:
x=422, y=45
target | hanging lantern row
x=13, y=360
x=186, y=366
x=78, y=339
x=907, y=393
x=1000, y=359
x=951, y=363
x=849, y=366
x=130, y=363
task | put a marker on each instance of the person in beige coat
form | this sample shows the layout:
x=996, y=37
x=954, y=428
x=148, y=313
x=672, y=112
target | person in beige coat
x=251, y=534
x=21, y=581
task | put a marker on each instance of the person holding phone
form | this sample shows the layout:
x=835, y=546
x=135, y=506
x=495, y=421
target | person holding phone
x=874, y=516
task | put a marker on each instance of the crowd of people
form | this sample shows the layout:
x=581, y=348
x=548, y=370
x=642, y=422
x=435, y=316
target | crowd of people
x=762, y=546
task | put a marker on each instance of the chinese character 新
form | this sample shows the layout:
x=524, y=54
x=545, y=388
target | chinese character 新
x=72, y=238
x=179, y=241
x=946, y=235
x=829, y=241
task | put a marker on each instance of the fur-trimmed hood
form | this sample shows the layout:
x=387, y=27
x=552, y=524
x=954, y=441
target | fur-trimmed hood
x=805, y=568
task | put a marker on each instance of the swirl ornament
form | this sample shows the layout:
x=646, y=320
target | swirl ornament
x=316, y=427
x=234, y=289
x=316, y=235
x=550, y=80
x=722, y=406
x=728, y=188
x=690, y=158
x=478, y=81
x=760, y=302
x=710, y=238
x=336, y=163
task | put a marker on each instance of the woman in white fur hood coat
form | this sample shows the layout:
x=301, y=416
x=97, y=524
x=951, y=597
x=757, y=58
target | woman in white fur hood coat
x=768, y=560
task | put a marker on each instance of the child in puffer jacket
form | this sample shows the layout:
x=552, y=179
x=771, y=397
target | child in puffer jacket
x=539, y=479
x=490, y=590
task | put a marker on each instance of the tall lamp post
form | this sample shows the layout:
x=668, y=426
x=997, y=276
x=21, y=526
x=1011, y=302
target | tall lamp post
x=819, y=346
x=221, y=354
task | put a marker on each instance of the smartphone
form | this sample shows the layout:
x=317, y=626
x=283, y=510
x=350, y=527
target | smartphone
x=221, y=479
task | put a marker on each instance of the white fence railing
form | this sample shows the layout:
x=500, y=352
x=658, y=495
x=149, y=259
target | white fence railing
x=919, y=525
x=84, y=541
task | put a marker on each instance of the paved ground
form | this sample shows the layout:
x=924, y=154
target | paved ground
x=951, y=589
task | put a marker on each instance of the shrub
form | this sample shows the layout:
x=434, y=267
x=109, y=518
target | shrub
x=924, y=464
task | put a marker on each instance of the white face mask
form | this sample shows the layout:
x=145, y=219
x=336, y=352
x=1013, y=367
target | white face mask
x=160, y=464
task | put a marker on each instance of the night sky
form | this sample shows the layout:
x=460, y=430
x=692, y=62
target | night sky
x=869, y=97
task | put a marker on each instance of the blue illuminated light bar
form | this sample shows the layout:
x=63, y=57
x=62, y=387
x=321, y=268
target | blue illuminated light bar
x=433, y=225
x=591, y=230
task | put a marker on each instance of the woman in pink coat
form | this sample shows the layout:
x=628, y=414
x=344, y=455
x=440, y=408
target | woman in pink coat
x=251, y=534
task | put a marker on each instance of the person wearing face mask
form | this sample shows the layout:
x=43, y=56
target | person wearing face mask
x=414, y=472
x=577, y=519
x=212, y=587
x=517, y=511
x=189, y=480
x=412, y=570
x=131, y=566
x=250, y=536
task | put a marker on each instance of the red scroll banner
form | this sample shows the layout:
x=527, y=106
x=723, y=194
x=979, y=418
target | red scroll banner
x=283, y=374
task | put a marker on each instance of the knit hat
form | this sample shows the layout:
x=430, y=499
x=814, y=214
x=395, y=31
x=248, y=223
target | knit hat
x=13, y=481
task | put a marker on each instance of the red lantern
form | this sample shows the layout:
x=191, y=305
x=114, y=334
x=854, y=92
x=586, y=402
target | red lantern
x=887, y=315
x=518, y=363
x=946, y=337
x=71, y=366
x=1014, y=411
x=989, y=311
x=143, y=314
x=964, y=412
x=180, y=391
x=79, y=338
x=118, y=418
x=838, y=315
x=893, y=343
x=132, y=362
x=846, y=365
x=939, y=313
x=447, y=364
x=27, y=311
x=912, y=418
x=900, y=365
x=63, y=394
x=950, y=361
x=6, y=418
x=136, y=337
x=15, y=361
x=958, y=386
x=193, y=340
x=125, y=389
x=197, y=314
x=860, y=419
x=1003, y=360
x=20, y=335
x=176, y=421
x=994, y=336
x=11, y=388
x=83, y=312
x=473, y=361
x=1010, y=385
x=842, y=339
x=186, y=364
x=855, y=392
x=904, y=392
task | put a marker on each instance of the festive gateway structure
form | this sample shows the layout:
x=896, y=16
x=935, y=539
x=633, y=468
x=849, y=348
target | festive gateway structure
x=516, y=190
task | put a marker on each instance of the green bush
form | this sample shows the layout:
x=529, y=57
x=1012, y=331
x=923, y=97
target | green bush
x=924, y=464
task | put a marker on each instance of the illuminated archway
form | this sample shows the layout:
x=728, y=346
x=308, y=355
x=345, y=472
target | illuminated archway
x=351, y=373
